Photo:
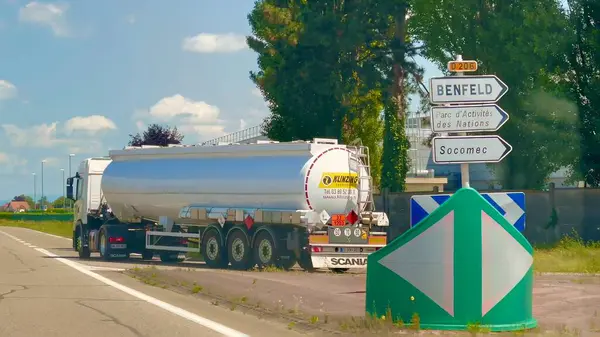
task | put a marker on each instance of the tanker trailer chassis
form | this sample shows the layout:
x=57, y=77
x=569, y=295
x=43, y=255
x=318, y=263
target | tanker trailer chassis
x=242, y=238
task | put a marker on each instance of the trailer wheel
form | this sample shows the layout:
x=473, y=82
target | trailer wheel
x=147, y=254
x=169, y=257
x=84, y=252
x=239, y=251
x=211, y=249
x=265, y=253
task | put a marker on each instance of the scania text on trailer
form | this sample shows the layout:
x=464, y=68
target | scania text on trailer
x=264, y=204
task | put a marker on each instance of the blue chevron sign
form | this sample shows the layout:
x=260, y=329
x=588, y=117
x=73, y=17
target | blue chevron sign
x=510, y=204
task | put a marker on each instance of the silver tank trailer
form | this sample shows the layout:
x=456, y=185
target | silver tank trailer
x=154, y=182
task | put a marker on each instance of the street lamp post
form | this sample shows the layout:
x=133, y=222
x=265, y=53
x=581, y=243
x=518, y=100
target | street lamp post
x=42, y=198
x=71, y=155
x=62, y=184
x=34, y=192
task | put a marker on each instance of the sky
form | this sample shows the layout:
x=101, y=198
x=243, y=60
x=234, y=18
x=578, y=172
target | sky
x=78, y=77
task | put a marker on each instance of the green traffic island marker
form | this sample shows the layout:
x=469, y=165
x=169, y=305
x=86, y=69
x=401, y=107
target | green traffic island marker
x=461, y=267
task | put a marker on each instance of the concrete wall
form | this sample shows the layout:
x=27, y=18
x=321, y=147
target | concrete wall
x=575, y=209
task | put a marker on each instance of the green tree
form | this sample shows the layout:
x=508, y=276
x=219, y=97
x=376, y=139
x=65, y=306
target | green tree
x=158, y=135
x=523, y=43
x=316, y=73
x=59, y=202
x=583, y=80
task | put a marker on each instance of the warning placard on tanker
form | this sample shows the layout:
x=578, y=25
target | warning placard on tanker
x=338, y=180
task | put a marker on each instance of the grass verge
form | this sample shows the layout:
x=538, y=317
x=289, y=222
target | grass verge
x=570, y=255
x=60, y=228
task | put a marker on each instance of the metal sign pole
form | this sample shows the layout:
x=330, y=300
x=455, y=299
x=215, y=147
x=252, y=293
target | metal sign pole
x=464, y=168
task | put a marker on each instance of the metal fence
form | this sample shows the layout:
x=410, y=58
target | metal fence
x=236, y=137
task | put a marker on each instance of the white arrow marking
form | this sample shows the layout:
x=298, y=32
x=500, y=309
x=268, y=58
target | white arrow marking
x=504, y=263
x=427, y=262
x=427, y=203
x=513, y=211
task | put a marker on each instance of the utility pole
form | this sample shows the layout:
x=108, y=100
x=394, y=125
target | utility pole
x=34, y=192
x=62, y=185
x=42, y=201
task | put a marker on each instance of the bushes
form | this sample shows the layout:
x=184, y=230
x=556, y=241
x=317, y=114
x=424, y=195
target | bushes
x=36, y=216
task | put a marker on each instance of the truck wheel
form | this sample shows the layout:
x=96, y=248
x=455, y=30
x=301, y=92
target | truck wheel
x=84, y=252
x=103, y=247
x=238, y=250
x=264, y=250
x=211, y=249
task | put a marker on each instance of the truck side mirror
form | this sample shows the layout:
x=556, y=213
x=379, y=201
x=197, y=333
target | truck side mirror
x=70, y=189
x=70, y=192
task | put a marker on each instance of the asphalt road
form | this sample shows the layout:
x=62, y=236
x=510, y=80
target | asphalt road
x=44, y=291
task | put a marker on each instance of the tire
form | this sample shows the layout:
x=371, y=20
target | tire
x=239, y=251
x=84, y=252
x=147, y=254
x=265, y=253
x=339, y=270
x=103, y=246
x=169, y=257
x=212, y=250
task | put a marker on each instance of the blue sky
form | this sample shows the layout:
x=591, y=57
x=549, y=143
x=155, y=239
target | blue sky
x=80, y=76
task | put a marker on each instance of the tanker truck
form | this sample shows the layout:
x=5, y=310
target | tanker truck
x=262, y=204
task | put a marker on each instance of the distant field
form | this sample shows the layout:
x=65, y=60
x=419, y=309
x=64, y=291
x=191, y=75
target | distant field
x=60, y=228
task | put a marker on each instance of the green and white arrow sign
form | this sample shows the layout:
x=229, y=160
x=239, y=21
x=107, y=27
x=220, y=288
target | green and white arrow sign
x=463, y=264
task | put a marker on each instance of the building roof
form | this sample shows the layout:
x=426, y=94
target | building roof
x=18, y=205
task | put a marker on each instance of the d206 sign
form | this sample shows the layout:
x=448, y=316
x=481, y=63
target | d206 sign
x=470, y=149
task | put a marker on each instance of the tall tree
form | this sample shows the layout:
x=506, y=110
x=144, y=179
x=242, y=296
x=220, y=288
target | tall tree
x=584, y=82
x=313, y=58
x=522, y=42
x=158, y=135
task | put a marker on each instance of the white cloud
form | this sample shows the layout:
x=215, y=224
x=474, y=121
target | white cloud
x=12, y=164
x=90, y=124
x=50, y=135
x=7, y=90
x=196, y=117
x=52, y=15
x=43, y=135
x=214, y=43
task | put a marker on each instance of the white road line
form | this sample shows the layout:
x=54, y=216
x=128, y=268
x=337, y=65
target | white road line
x=217, y=327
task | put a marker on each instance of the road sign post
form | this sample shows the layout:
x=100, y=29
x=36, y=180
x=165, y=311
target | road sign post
x=464, y=109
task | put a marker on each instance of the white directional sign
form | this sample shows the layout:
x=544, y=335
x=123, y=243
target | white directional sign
x=466, y=89
x=467, y=118
x=469, y=149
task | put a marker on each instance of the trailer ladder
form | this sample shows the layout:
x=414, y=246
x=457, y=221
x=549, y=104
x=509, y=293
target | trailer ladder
x=364, y=175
